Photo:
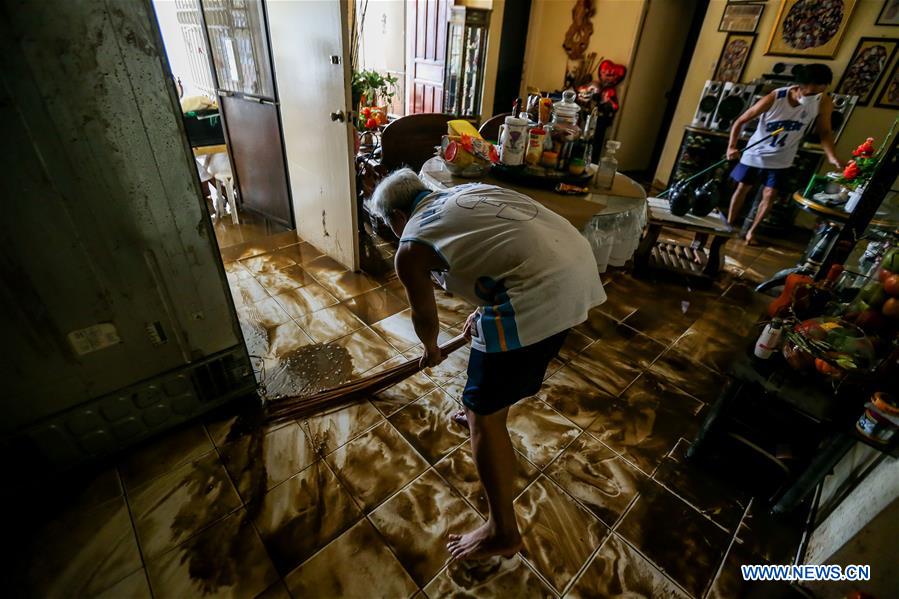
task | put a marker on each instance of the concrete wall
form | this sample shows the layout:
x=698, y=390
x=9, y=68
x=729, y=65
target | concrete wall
x=615, y=28
x=861, y=530
x=383, y=43
x=651, y=75
x=864, y=122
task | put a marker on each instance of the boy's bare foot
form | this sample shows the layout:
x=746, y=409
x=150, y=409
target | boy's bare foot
x=460, y=418
x=483, y=542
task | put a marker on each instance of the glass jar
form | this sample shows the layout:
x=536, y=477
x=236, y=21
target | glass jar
x=564, y=123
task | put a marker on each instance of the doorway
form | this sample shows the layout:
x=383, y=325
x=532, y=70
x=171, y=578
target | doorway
x=289, y=248
x=657, y=70
x=218, y=53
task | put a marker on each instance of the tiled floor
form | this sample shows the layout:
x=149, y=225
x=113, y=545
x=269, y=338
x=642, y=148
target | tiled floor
x=358, y=502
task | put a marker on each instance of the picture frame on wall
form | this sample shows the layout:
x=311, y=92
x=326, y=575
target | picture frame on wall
x=809, y=28
x=734, y=56
x=741, y=17
x=889, y=95
x=889, y=14
x=871, y=58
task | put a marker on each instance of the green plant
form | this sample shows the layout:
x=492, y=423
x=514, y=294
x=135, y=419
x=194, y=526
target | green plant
x=373, y=87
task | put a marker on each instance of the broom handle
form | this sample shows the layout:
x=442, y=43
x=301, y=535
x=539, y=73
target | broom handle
x=723, y=160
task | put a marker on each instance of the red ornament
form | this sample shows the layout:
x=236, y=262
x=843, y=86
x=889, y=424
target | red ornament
x=611, y=73
x=610, y=96
x=366, y=112
x=371, y=124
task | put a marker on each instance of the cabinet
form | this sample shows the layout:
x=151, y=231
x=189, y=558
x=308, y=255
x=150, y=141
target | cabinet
x=466, y=50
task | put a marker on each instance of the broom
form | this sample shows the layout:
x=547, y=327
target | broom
x=298, y=406
x=719, y=163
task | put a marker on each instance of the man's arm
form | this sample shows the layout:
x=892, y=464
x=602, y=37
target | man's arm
x=755, y=110
x=825, y=131
x=414, y=263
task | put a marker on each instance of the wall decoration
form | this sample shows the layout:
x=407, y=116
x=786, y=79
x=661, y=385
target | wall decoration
x=809, y=28
x=577, y=38
x=889, y=95
x=871, y=58
x=734, y=56
x=889, y=14
x=741, y=18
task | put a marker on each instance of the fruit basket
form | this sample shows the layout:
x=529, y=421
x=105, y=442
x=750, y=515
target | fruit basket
x=466, y=157
x=833, y=347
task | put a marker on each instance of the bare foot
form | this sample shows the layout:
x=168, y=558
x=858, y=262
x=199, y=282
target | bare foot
x=460, y=418
x=483, y=542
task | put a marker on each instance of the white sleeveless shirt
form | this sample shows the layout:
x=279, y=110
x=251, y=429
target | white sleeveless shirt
x=531, y=273
x=780, y=150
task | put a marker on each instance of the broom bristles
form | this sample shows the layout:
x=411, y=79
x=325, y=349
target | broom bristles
x=299, y=406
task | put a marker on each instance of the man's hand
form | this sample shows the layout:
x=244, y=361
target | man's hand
x=432, y=357
x=469, y=322
x=732, y=153
x=836, y=162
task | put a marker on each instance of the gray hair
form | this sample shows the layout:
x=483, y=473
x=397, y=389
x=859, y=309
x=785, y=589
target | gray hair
x=396, y=192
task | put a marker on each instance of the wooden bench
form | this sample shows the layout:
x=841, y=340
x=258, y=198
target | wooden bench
x=694, y=260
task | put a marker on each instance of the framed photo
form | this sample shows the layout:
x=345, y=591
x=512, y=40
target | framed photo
x=871, y=58
x=889, y=95
x=889, y=14
x=809, y=28
x=734, y=56
x=741, y=18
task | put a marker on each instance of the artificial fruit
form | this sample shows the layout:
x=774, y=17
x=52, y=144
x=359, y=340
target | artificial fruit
x=891, y=285
x=891, y=261
x=890, y=308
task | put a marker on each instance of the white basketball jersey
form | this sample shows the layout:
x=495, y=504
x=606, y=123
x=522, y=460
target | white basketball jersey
x=780, y=150
x=531, y=273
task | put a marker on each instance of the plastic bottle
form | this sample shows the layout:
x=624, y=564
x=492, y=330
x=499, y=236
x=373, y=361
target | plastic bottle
x=608, y=166
x=535, y=146
x=769, y=341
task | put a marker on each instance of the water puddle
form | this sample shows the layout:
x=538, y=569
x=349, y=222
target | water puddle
x=309, y=369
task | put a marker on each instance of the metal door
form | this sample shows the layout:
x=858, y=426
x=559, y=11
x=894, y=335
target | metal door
x=248, y=98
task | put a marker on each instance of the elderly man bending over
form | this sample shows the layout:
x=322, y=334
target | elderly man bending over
x=533, y=277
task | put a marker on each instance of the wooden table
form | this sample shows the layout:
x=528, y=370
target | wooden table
x=886, y=217
x=692, y=260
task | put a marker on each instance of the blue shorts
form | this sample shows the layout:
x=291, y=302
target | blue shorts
x=496, y=380
x=775, y=178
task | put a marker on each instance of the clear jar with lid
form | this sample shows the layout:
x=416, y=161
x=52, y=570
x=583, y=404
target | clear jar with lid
x=564, y=124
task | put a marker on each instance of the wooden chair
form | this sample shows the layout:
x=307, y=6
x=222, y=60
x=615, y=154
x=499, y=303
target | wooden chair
x=490, y=128
x=410, y=140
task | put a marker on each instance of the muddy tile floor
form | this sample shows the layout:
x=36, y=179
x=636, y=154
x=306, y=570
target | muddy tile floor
x=358, y=502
